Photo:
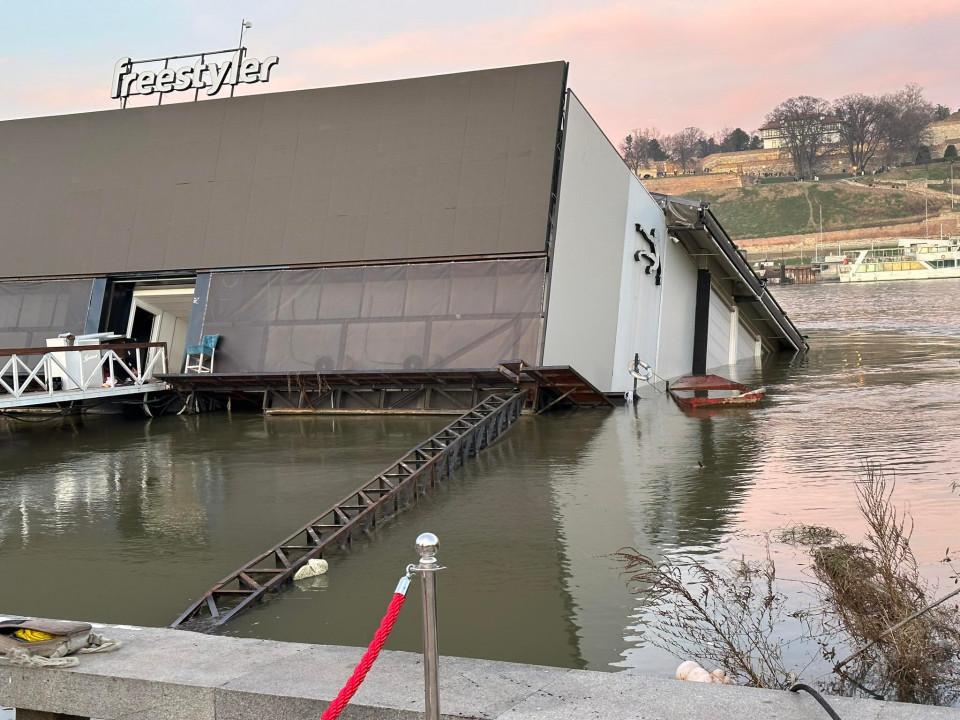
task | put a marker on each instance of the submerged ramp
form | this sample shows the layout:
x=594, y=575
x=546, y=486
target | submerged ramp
x=379, y=499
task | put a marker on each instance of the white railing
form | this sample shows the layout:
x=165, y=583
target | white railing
x=93, y=367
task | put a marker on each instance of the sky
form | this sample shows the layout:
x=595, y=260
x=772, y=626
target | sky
x=666, y=64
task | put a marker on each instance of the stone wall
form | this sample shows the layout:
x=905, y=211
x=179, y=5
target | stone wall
x=686, y=184
x=748, y=162
x=855, y=238
x=943, y=133
x=770, y=162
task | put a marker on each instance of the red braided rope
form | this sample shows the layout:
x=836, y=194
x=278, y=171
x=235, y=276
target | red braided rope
x=366, y=662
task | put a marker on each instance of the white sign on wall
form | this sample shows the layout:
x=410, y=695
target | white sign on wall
x=209, y=75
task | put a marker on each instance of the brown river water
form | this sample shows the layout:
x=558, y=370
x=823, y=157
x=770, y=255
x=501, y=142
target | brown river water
x=125, y=521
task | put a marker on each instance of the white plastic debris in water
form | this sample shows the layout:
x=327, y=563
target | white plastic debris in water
x=312, y=569
x=691, y=671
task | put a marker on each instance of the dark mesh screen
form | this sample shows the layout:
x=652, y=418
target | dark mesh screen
x=31, y=312
x=443, y=315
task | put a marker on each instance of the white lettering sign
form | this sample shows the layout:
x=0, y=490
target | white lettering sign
x=209, y=75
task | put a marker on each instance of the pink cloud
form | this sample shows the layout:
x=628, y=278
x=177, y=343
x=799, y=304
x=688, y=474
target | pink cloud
x=668, y=65
x=673, y=65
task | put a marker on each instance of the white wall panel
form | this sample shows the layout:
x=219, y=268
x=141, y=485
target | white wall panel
x=675, y=355
x=746, y=342
x=603, y=306
x=718, y=332
x=583, y=306
x=640, y=296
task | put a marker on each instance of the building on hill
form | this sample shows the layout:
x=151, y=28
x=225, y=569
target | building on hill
x=773, y=136
x=457, y=221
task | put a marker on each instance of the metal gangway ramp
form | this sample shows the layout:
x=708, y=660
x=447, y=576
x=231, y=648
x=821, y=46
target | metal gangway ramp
x=27, y=375
x=383, y=497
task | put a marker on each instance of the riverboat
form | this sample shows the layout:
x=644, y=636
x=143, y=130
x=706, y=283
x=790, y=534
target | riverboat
x=912, y=259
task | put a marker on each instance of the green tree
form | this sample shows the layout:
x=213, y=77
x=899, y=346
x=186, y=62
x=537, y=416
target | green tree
x=657, y=153
x=756, y=143
x=923, y=155
x=941, y=112
x=707, y=146
x=950, y=153
x=735, y=141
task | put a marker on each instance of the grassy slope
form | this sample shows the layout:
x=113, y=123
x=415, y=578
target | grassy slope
x=938, y=175
x=933, y=171
x=791, y=208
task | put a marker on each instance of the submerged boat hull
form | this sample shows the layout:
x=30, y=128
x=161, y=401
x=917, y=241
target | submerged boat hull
x=692, y=392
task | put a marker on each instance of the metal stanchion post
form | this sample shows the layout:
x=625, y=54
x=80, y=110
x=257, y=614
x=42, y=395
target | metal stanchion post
x=427, y=544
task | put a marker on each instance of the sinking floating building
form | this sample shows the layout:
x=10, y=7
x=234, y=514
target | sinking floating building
x=456, y=221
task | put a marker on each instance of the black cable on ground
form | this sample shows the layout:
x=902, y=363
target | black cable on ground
x=796, y=687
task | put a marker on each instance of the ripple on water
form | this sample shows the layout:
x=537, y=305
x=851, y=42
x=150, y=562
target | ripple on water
x=156, y=512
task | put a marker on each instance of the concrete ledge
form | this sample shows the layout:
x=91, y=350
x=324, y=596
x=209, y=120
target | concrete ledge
x=161, y=674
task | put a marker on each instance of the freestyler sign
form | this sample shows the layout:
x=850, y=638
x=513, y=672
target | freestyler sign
x=204, y=74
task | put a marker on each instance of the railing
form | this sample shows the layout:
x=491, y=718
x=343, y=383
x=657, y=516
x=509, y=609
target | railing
x=95, y=367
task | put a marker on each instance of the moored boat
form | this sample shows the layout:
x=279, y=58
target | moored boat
x=912, y=259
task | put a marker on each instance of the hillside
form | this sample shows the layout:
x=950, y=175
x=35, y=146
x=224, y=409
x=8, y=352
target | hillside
x=793, y=208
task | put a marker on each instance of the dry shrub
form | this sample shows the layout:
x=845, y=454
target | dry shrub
x=807, y=535
x=733, y=617
x=725, y=618
x=869, y=588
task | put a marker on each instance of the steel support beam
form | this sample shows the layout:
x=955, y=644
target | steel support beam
x=387, y=494
x=701, y=323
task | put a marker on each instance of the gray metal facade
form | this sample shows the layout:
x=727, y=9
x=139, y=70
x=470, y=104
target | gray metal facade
x=473, y=314
x=31, y=312
x=453, y=165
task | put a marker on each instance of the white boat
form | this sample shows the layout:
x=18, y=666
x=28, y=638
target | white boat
x=912, y=259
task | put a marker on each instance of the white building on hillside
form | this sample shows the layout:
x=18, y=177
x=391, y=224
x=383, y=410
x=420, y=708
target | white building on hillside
x=773, y=136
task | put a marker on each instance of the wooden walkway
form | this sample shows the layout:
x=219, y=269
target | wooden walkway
x=387, y=494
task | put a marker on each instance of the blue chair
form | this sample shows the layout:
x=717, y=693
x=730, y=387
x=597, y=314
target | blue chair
x=206, y=349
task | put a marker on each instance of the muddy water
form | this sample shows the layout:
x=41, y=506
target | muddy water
x=125, y=521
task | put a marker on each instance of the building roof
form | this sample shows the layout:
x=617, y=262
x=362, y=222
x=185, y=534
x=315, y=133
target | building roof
x=445, y=166
x=695, y=224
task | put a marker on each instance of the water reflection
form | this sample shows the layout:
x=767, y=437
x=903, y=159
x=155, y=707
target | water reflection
x=142, y=516
x=137, y=517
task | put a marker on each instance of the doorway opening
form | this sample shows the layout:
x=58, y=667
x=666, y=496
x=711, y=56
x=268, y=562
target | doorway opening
x=161, y=313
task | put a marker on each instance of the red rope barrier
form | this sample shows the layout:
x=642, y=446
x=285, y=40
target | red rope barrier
x=370, y=656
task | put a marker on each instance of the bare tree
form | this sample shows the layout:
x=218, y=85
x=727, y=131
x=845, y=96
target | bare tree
x=909, y=115
x=683, y=146
x=804, y=125
x=863, y=120
x=628, y=151
x=640, y=148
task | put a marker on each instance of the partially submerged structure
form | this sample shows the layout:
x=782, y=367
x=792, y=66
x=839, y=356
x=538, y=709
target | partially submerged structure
x=442, y=223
